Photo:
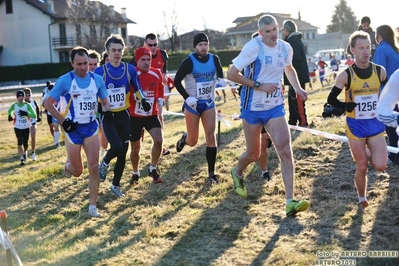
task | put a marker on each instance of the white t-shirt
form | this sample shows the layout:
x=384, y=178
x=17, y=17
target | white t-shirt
x=269, y=63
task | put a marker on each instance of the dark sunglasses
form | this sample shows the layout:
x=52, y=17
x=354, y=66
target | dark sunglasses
x=152, y=45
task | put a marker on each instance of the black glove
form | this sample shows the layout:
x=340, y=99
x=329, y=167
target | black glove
x=146, y=105
x=109, y=116
x=39, y=119
x=22, y=113
x=350, y=106
x=10, y=118
x=68, y=125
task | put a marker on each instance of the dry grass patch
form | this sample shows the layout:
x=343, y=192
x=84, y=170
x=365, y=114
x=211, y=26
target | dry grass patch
x=184, y=220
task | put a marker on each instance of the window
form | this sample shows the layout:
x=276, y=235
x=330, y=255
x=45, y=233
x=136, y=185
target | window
x=64, y=56
x=79, y=34
x=8, y=6
x=93, y=31
x=123, y=33
x=63, y=39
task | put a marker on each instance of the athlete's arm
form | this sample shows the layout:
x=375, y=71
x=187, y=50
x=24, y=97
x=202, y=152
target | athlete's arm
x=386, y=103
x=49, y=105
x=31, y=112
x=185, y=68
x=134, y=82
x=165, y=59
x=383, y=75
x=11, y=109
x=37, y=109
x=340, y=84
x=292, y=76
x=218, y=65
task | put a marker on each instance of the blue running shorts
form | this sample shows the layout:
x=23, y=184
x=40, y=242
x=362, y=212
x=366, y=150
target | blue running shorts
x=262, y=117
x=82, y=132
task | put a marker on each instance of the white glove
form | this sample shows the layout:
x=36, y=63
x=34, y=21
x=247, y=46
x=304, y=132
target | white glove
x=161, y=102
x=221, y=83
x=192, y=102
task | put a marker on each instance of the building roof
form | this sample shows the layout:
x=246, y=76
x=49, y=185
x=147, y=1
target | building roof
x=63, y=9
x=250, y=24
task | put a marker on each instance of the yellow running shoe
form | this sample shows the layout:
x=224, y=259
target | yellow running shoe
x=239, y=184
x=296, y=206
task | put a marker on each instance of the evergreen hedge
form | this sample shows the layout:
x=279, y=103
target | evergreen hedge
x=54, y=70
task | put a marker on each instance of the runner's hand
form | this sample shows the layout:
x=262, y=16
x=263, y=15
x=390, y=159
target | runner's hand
x=22, y=113
x=192, y=102
x=68, y=125
x=109, y=116
x=350, y=106
x=146, y=105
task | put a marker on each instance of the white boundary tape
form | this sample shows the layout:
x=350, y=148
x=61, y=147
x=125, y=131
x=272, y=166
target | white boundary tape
x=334, y=136
x=304, y=129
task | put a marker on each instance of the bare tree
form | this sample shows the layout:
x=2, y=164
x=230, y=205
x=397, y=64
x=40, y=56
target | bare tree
x=171, y=29
x=94, y=22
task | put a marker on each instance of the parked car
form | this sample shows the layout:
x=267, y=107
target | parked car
x=326, y=55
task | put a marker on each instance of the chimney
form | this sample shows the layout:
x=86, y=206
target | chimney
x=98, y=7
x=50, y=6
x=111, y=10
x=123, y=13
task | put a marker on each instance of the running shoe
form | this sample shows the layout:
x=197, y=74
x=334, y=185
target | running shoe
x=103, y=152
x=213, y=179
x=94, y=212
x=33, y=156
x=165, y=151
x=57, y=145
x=22, y=162
x=66, y=173
x=266, y=176
x=103, y=170
x=239, y=184
x=181, y=142
x=364, y=204
x=134, y=181
x=155, y=176
x=117, y=191
x=296, y=206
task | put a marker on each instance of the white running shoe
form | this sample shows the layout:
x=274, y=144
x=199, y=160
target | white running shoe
x=117, y=191
x=93, y=211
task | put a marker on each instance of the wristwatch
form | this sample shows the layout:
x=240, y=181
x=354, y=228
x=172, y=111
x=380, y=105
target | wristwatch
x=256, y=85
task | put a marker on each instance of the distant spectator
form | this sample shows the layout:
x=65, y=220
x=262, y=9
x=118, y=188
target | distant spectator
x=365, y=26
x=312, y=67
x=297, y=107
x=387, y=55
x=349, y=60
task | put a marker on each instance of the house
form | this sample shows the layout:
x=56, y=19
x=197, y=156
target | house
x=44, y=31
x=246, y=26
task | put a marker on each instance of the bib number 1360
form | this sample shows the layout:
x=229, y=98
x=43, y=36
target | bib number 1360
x=204, y=90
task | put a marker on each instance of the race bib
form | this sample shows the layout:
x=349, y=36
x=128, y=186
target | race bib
x=204, y=90
x=273, y=99
x=116, y=97
x=138, y=109
x=367, y=104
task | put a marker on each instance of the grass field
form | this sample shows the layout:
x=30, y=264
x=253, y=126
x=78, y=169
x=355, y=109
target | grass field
x=185, y=221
